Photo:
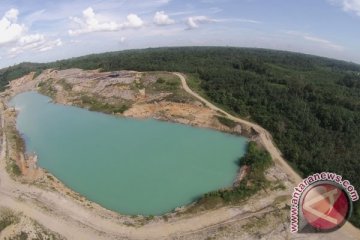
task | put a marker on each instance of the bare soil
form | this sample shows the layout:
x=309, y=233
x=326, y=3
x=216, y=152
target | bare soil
x=39, y=196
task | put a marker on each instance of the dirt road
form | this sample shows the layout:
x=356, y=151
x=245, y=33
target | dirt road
x=266, y=140
x=72, y=220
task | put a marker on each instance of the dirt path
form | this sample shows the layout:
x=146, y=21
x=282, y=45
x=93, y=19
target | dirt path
x=266, y=140
x=72, y=220
x=265, y=136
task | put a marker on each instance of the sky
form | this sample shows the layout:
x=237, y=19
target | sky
x=48, y=30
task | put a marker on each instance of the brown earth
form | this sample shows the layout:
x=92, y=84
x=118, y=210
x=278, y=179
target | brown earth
x=39, y=196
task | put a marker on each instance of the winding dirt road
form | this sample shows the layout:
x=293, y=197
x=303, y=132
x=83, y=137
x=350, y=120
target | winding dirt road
x=74, y=221
x=264, y=135
x=267, y=142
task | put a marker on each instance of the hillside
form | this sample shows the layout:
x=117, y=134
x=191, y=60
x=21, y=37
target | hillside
x=311, y=105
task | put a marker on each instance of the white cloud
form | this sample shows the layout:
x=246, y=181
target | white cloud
x=348, y=5
x=242, y=20
x=163, y=1
x=29, y=39
x=74, y=41
x=133, y=21
x=12, y=14
x=147, y=5
x=315, y=39
x=91, y=22
x=122, y=39
x=18, y=40
x=181, y=13
x=161, y=18
x=194, y=22
x=10, y=30
x=50, y=45
x=34, y=42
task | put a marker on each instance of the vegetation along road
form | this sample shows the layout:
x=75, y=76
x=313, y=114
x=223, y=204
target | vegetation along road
x=266, y=140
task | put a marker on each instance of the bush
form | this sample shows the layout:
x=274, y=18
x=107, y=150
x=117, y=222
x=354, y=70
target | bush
x=160, y=80
x=97, y=106
x=14, y=168
x=7, y=218
x=258, y=160
x=226, y=121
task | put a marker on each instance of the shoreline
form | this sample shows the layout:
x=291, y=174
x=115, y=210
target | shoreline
x=31, y=159
x=107, y=224
x=62, y=188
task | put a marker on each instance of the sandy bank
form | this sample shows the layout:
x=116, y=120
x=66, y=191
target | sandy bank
x=73, y=218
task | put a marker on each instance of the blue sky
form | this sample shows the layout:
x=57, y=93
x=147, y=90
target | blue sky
x=46, y=30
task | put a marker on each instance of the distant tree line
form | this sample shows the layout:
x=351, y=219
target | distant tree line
x=310, y=104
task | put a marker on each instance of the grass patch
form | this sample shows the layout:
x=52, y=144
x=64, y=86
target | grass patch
x=46, y=88
x=94, y=105
x=13, y=168
x=66, y=86
x=258, y=160
x=170, y=84
x=22, y=236
x=160, y=80
x=51, y=178
x=149, y=218
x=166, y=82
x=179, y=97
x=19, y=142
x=157, y=82
x=37, y=73
x=278, y=185
x=165, y=217
x=7, y=218
x=18, y=145
x=226, y=121
x=137, y=85
x=194, y=82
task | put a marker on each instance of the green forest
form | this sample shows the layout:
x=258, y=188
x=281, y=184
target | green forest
x=311, y=105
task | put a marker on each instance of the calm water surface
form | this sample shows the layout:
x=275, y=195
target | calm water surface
x=127, y=165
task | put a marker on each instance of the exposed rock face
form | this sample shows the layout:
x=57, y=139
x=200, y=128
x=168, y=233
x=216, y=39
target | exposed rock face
x=263, y=216
x=238, y=129
x=101, y=83
x=243, y=171
x=138, y=90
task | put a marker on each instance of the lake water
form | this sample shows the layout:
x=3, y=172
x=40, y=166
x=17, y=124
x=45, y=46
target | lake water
x=130, y=166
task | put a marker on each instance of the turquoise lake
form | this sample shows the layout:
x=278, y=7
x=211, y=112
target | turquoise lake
x=130, y=166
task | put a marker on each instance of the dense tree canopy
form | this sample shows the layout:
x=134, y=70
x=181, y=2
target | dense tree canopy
x=311, y=105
